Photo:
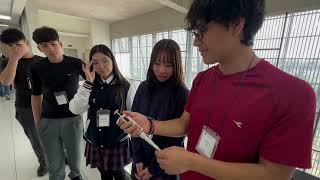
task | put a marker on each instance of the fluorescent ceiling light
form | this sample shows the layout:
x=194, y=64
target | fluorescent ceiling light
x=73, y=34
x=4, y=25
x=5, y=17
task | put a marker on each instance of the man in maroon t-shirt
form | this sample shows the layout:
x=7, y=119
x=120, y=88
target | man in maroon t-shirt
x=245, y=118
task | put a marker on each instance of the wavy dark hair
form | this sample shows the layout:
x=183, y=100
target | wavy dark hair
x=120, y=80
x=227, y=12
x=11, y=35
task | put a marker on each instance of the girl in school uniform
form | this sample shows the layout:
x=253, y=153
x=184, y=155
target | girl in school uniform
x=105, y=90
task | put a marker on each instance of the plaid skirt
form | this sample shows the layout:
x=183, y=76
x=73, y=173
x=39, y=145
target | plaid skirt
x=113, y=159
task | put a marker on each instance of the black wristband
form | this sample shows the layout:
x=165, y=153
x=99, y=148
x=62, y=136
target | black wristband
x=151, y=129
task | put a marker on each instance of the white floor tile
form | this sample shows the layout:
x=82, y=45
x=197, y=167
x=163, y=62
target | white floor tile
x=18, y=162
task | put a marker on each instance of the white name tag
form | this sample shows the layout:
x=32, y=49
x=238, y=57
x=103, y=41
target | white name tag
x=103, y=118
x=61, y=97
x=208, y=142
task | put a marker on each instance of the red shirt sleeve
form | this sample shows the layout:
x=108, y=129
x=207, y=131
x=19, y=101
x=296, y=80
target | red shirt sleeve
x=288, y=140
x=193, y=90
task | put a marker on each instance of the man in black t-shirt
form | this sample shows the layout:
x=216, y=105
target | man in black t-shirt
x=16, y=70
x=55, y=80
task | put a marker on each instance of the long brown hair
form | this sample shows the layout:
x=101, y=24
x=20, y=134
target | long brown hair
x=120, y=80
x=171, y=50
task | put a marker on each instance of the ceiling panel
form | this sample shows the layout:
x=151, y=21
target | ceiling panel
x=5, y=7
x=108, y=10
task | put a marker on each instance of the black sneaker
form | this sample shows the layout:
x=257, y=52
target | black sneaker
x=77, y=178
x=42, y=170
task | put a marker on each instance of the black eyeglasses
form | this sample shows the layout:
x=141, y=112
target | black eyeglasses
x=198, y=31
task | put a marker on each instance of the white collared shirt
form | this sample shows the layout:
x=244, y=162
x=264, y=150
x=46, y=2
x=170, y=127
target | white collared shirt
x=108, y=80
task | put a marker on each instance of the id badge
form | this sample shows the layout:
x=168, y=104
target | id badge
x=61, y=97
x=103, y=118
x=208, y=142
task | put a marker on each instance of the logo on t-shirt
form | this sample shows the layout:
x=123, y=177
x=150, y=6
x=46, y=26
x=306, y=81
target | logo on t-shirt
x=238, y=123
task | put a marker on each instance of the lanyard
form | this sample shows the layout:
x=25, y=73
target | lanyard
x=228, y=109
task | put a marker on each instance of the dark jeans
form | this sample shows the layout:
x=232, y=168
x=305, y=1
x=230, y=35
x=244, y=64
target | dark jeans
x=4, y=90
x=25, y=118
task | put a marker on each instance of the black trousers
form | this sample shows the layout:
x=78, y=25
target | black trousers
x=25, y=118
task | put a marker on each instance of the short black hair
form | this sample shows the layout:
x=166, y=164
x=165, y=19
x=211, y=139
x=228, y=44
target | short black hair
x=227, y=12
x=45, y=34
x=11, y=35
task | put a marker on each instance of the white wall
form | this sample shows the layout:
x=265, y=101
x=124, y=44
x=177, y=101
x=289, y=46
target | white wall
x=81, y=33
x=74, y=26
x=100, y=33
x=32, y=21
x=67, y=25
x=79, y=43
x=64, y=23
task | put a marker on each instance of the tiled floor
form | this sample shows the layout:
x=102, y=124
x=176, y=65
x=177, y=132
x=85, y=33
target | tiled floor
x=17, y=160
